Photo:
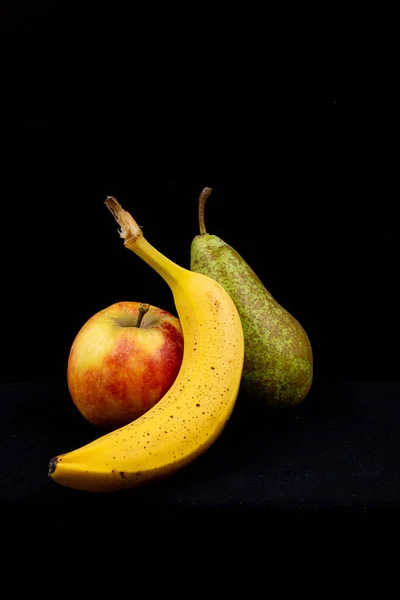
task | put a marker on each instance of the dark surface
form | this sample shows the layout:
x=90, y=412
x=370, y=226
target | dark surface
x=337, y=453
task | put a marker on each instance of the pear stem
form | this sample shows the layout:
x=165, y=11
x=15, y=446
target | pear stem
x=143, y=308
x=202, y=200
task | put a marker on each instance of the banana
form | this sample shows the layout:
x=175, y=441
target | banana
x=194, y=411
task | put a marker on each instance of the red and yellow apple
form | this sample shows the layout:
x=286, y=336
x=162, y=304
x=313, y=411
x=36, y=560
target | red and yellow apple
x=123, y=361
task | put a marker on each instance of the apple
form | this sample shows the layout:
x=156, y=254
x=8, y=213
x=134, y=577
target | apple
x=122, y=362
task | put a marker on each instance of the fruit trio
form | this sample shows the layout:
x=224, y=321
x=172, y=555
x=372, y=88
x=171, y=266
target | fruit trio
x=235, y=334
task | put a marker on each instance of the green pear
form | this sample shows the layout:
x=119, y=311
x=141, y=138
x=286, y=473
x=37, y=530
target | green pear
x=278, y=361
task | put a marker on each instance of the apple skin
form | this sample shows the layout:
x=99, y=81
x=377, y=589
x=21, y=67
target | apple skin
x=117, y=371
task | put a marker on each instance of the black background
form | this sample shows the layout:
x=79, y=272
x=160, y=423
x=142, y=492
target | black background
x=303, y=202
x=151, y=111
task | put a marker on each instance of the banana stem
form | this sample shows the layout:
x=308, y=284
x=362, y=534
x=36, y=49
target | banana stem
x=202, y=200
x=134, y=240
x=143, y=308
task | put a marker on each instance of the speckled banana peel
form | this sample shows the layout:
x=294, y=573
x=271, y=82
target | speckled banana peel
x=195, y=410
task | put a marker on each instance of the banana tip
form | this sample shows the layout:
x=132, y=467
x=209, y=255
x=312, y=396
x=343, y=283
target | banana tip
x=52, y=466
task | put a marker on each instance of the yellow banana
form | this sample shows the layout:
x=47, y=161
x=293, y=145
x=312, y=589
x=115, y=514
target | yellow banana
x=193, y=413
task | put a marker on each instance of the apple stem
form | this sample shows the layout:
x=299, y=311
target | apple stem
x=143, y=308
x=202, y=200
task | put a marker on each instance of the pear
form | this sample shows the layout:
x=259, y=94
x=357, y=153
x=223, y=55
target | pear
x=278, y=361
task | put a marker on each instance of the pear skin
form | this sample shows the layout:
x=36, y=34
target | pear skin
x=278, y=360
